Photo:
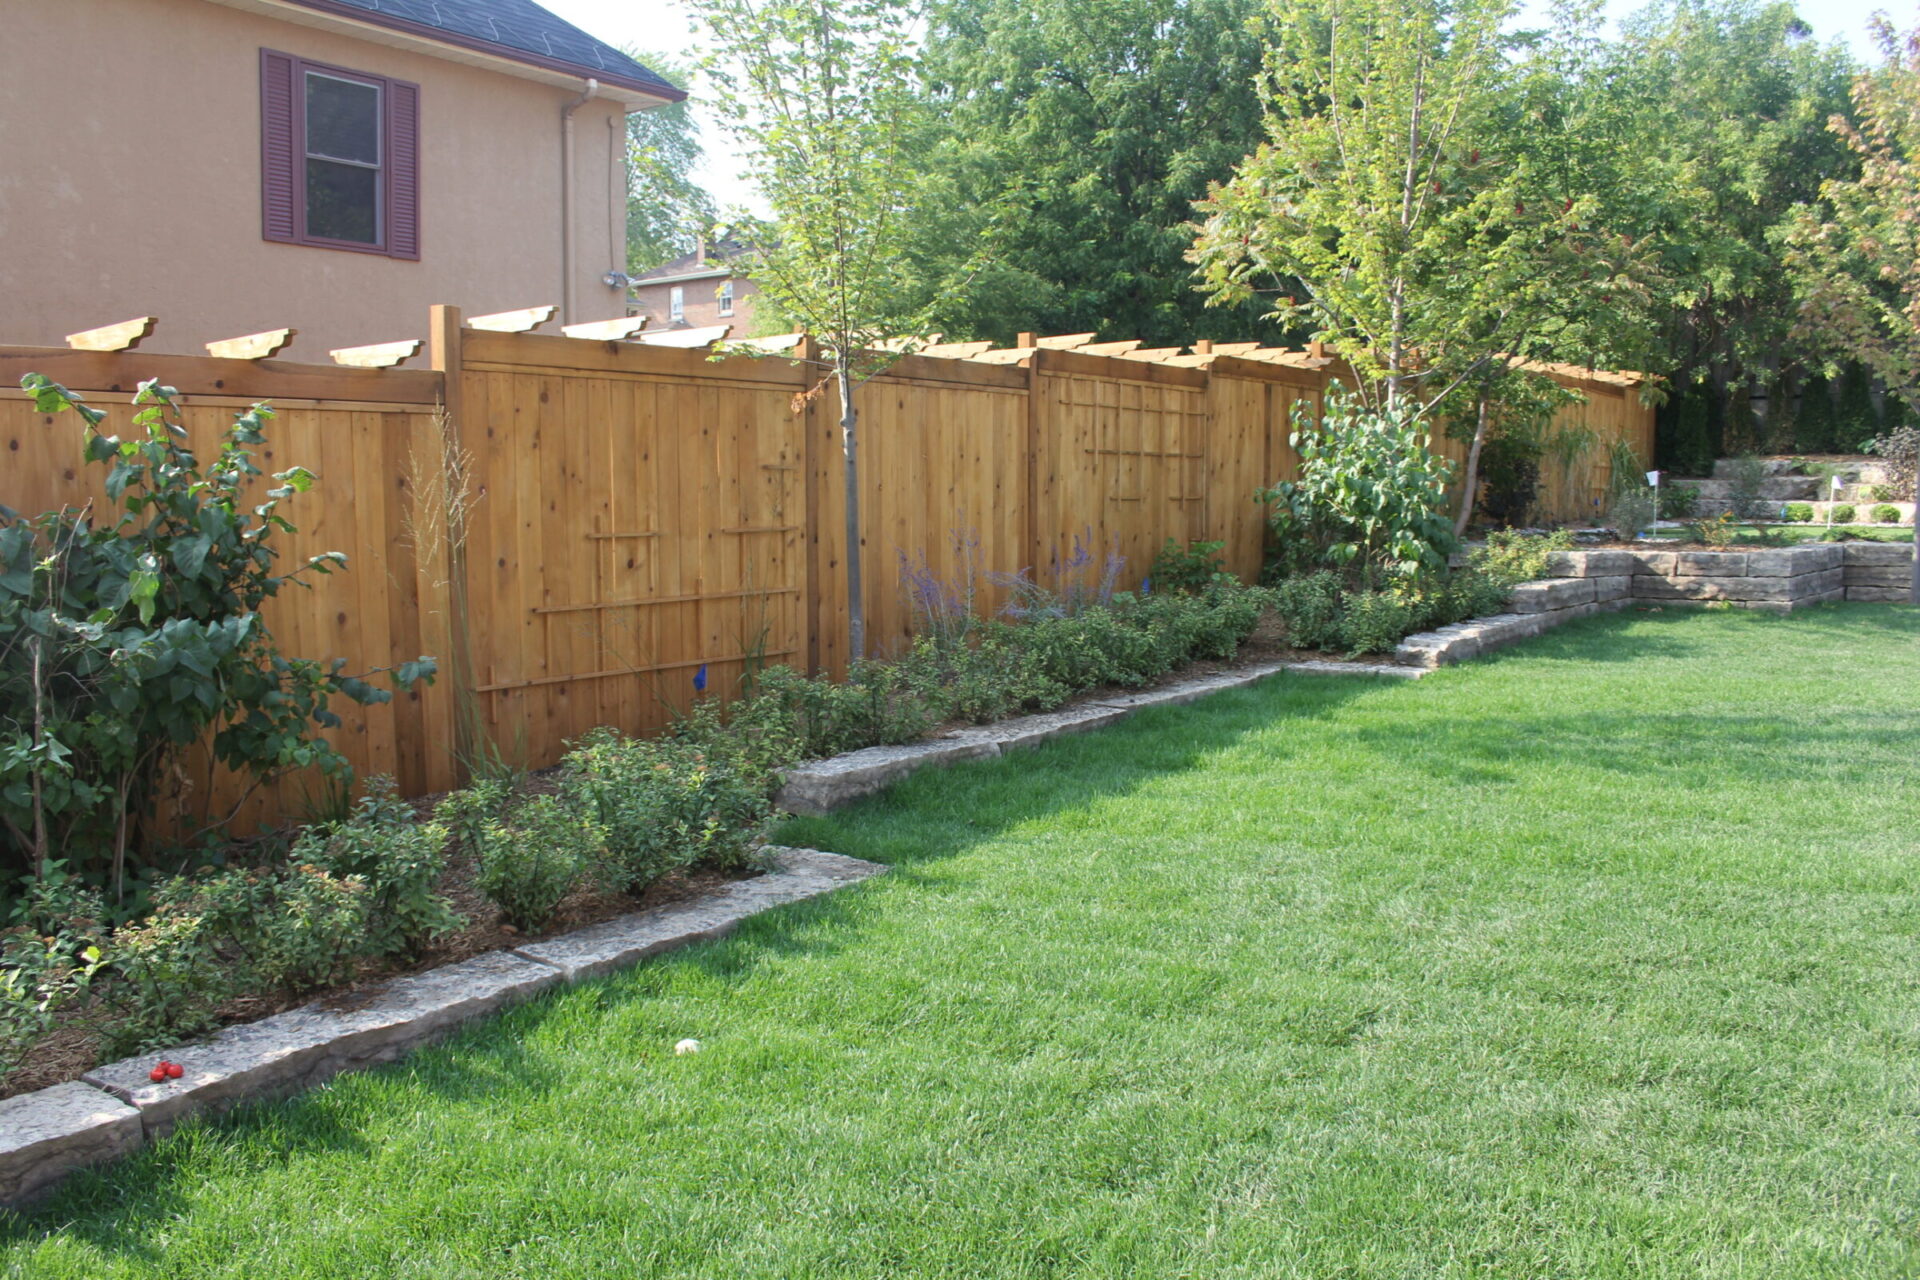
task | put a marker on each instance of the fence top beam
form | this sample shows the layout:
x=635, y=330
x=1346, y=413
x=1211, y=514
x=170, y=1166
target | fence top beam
x=705, y=337
x=111, y=372
x=542, y=351
x=1120, y=367
x=1065, y=341
x=124, y=336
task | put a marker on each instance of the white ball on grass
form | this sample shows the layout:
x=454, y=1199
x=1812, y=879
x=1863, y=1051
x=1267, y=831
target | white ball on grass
x=687, y=1046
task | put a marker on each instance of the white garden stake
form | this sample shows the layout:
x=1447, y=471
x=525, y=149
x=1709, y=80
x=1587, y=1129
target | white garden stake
x=1653, y=478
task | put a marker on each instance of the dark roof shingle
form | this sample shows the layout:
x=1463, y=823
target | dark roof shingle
x=513, y=27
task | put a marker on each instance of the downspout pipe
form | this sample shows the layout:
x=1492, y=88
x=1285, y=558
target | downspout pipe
x=566, y=200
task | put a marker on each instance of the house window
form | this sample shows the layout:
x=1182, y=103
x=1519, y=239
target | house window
x=677, y=305
x=339, y=155
x=726, y=298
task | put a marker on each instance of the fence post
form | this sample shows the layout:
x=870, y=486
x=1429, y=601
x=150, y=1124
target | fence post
x=1035, y=526
x=460, y=721
x=818, y=569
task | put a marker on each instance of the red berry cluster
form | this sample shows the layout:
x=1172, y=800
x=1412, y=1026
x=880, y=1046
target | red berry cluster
x=166, y=1071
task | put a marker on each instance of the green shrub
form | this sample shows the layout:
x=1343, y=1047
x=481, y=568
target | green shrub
x=1749, y=475
x=306, y=927
x=48, y=959
x=1841, y=513
x=529, y=854
x=1886, y=513
x=1189, y=569
x=1678, y=500
x=1882, y=493
x=1309, y=608
x=168, y=971
x=1631, y=511
x=135, y=631
x=1797, y=512
x=1371, y=500
x=398, y=859
x=662, y=805
x=1376, y=621
x=1510, y=557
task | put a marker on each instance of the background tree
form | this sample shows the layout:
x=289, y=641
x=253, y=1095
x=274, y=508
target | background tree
x=822, y=96
x=1423, y=188
x=666, y=209
x=1721, y=106
x=1855, y=256
x=1101, y=124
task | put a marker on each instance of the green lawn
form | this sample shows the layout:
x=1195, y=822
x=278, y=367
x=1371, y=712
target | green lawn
x=1744, y=534
x=1597, y=959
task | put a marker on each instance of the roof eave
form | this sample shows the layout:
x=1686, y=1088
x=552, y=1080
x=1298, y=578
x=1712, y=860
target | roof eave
x=418, y=37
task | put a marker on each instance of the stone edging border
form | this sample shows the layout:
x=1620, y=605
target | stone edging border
x=821, y=786
x=114, y=1109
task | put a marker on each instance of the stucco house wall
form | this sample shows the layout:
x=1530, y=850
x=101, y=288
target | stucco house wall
x=130, y=183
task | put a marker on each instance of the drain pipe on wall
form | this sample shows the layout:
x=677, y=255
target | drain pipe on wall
x=566, y=201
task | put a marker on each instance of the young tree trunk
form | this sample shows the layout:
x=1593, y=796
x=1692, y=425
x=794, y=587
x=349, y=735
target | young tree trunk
x=849, y=447
x=1470, y=490
x=39, y=742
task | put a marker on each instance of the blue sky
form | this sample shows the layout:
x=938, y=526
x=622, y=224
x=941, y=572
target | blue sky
x=663, y=25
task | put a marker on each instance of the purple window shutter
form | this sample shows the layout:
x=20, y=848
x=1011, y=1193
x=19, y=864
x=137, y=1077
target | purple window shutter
x=278, y=174
x=403, y=170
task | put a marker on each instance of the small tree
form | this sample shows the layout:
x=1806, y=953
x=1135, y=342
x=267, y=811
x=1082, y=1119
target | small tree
x=129, y=636
x=822, y=95
x=666, y=209
x=1856, y=257
x=1426, y=206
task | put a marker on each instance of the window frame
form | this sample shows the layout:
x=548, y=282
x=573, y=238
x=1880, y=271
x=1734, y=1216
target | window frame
x=725, y=294
x=387, y=216
x=676, y=304
x=303, y=154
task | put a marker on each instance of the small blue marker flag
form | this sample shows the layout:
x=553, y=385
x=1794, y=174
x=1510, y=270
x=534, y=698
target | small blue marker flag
x=700, y=679
x=1146, y=586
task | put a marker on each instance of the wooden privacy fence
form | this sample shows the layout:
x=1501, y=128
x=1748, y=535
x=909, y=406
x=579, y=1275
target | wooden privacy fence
x=639, y=515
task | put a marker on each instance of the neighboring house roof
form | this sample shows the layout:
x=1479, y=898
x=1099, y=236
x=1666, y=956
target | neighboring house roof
x=519, y=30
x=709, y=262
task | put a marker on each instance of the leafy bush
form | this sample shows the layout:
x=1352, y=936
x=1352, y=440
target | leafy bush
x=1716, y=531
x=1678, y=500
x=306, y=927
x=1881, y=493
x=1187, y=569
x=1886, y=513
x=1632, y=511
x=48, y=959
x=1749, y=475
x=1509, y=557
x=1841, y=513
x=1371, y=500
x=1797, y=512
x=528, y=854
x=662, y=805
x=130, y=635
x=1509, y=476
x=1309, y=607
x=1901, y=448
x=168, y=974
x=399, y=861
x=1376, y=621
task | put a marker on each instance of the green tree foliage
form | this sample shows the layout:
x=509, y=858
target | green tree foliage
x=1413, y=186
x=1100, y=125
x=1722, y=107
x=130, y=635
x=666, y=209
x=1814, y=422
x=1857, y=420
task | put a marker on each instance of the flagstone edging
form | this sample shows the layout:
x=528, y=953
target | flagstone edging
x=114, y=1109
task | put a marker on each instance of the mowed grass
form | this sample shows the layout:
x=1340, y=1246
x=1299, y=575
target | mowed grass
x=1597, y=959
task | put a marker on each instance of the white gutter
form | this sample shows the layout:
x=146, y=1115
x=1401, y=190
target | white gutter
x=567, y=315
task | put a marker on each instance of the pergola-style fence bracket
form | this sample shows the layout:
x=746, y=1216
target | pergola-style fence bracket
x=525, y=320
x=614, y=330
x=124, y=336
x=377, y=355
x=252, y=346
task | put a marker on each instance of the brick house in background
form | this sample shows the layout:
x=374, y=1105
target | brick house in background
x=705, y=287
x=337, y=166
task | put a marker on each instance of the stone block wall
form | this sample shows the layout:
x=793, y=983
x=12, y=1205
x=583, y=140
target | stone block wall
x=1581, y=583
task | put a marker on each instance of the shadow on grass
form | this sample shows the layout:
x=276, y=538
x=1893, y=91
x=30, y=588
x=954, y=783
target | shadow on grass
x=126, y=1208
